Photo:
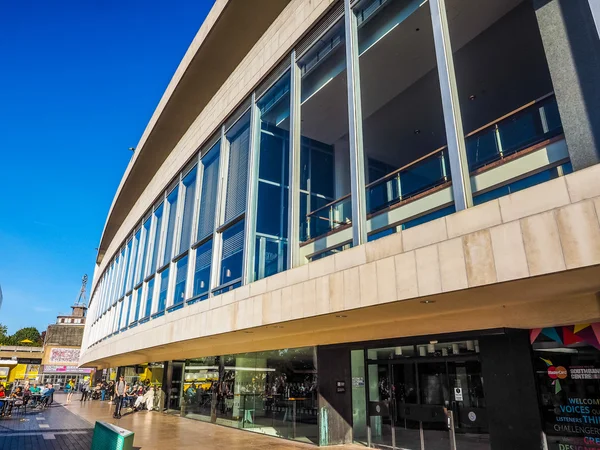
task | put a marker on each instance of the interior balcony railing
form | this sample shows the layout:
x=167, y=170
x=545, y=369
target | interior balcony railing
x=502, y=140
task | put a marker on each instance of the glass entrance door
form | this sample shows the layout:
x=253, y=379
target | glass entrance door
x=413, y=393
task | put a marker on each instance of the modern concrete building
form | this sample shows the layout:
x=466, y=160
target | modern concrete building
x=353, y=221
x=62, y=348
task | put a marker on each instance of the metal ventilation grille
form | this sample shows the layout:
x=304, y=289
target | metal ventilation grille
x=337, y=11
x=273, y=77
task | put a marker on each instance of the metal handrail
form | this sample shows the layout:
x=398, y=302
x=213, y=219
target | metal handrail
x=393, y=174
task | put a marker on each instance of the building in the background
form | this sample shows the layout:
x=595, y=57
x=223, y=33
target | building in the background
x=348, y=220
x=19, y=364
x=62, y=348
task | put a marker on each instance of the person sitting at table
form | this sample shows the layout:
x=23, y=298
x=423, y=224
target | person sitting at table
x=47, y=393
x=2, y=402
x=146, y=399
x=18, y=397
x=35, y=393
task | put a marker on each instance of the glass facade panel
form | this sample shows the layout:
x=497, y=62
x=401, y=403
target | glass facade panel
x=144, y=251
x=273, y=186
x=272, y=392
x=404, y=136
x=128, y=258
x=233, y=254
x=180, y=280
x=189, y=194
x=149, y=297
x=162, y=292
x=208, y=193
x=202, y=270
x=504, y=85
x=158, y=215
x=238, y=138
x=170, y=233
x=137, y=295
x=325, y=158
x=134, y=261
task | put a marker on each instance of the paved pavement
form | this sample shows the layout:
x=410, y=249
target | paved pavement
x=62, y=427
x=55, y=428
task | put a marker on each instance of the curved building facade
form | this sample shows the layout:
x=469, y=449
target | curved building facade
x=360, y=221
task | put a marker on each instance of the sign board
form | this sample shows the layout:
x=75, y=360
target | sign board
x=340, y=387
x=48, y=368
x=458, y=394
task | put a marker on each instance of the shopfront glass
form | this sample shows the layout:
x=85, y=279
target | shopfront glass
x=567, y=369
x=272, y=392
x=410, y=391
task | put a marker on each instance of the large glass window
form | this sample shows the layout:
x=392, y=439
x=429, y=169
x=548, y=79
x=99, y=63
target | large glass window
x=158, y=214
x=325, y=181
x=272, y=392
x=169, y=238
x=202, y=270
x=128, y=257
x=273, y=185
x=505, y=90
x=233, y=252
x=149, y=297
x=162, y=293
x=180, y=280
x=137, y=295
x=127, y=318
x=208, y=193
x=404, y=137
x=238, y=138
x=135, y=256
x=144, y=251
x=189, y=193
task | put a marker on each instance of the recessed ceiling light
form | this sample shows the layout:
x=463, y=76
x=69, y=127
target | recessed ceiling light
x=472, y=97
x=427, y=302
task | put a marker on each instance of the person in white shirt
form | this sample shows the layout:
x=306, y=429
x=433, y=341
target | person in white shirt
x=146, y=399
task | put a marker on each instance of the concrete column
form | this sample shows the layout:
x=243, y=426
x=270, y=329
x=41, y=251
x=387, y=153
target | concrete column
x=510, y=391
x=572, y=48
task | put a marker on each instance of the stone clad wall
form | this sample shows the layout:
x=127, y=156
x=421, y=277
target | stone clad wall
x=548, y=228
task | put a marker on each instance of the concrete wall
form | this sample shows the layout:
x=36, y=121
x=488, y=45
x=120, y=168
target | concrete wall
x=496, y=255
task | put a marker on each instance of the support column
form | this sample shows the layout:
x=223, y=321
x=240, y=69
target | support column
x=357, y=157
x=572, y=48
x=457, y=153
x=510, y=391
x=294, y=169
x=335, y=407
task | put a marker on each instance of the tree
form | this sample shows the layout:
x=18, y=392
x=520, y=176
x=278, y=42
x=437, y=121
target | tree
x=3, y=334
x=28, y=333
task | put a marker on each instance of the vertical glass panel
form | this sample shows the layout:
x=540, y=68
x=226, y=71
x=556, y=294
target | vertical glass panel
x=135, y=256
x=149, y=297
x=189, y=185
x=127, y=317
x=208, y=193
x=404, y=136
x=238, y=138
x=172, y=203
x=119, y=317
x=137, y=295
x=200, y=387
x=162, y=293
x=504, y=85
x=128, y=257
x=182, y=267
x=158, y=214
x=272, y=209
x=325, y=158
x=202, y=269
x=233, y=251
x=144, y=250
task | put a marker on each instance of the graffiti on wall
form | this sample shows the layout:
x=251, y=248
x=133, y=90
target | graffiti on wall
x=64, y=355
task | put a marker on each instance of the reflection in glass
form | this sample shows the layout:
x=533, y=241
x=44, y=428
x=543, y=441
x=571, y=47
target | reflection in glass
x=189, y=185
x=149, y=297
x=272, y=392
x=238, y=137
x=208, y=193
x=137, y=295
x=403, y=125
x=232, y=255
x=180, y=280
x=144, y=249
x=273, y=185
x=325, y=157
x=162, y=293
x=202, y=270
x=172, y=203
x=158, y=214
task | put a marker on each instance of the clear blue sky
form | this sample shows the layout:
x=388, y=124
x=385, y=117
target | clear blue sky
x=79, y=81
